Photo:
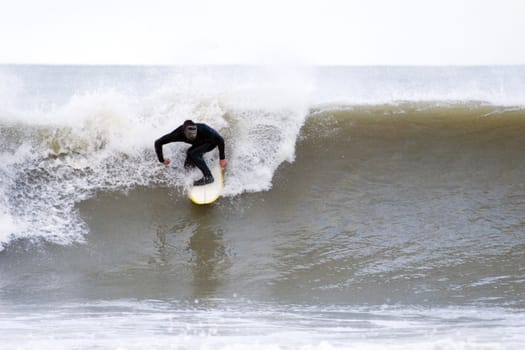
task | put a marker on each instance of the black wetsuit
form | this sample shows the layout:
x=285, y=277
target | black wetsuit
x=207, y=139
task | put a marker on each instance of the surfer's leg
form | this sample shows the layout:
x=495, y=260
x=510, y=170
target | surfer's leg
x=195, y=156
x=188, y=163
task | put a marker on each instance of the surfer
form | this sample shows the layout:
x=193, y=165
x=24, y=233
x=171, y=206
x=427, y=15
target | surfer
x=203, y=139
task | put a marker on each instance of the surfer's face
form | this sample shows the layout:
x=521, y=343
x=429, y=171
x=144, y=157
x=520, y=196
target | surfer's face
x=190, y=132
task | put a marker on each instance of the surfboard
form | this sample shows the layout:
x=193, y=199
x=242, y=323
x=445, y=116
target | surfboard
x=209, y=193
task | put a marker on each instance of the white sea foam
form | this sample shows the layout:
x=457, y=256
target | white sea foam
x=134, y=325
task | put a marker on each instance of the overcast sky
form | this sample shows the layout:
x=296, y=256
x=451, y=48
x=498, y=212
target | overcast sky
x=348, y=32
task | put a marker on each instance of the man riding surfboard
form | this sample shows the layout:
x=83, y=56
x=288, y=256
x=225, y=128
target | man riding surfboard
x=203, y=139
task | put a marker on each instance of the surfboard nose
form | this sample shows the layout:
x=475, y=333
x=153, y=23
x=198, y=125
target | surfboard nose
x=206, y=193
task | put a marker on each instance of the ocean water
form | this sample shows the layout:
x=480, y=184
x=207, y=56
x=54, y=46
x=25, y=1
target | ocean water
x=364, y=208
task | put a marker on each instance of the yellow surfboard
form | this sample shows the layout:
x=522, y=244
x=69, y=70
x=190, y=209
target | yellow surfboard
x=209, y=193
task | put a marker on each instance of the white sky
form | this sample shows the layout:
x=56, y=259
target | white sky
x=351, y=32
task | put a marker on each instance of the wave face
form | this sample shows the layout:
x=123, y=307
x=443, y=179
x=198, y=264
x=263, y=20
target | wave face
x=364, y=208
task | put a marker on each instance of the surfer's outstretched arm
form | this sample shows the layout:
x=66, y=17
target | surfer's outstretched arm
x=222, y=157
x=174, y=136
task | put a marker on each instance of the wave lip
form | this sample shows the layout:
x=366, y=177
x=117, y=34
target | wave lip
x=496, y=85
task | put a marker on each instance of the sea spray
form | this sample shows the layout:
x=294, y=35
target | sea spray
x=102, y=140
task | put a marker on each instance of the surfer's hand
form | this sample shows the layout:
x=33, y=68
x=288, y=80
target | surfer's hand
x=223, y=163
x=167, y=161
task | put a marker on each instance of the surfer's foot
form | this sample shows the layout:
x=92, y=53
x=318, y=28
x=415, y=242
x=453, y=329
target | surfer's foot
x=204, y=181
